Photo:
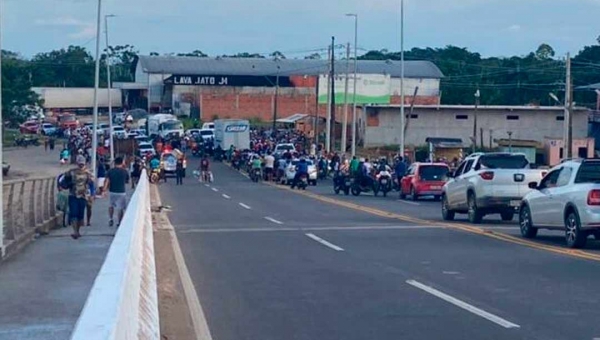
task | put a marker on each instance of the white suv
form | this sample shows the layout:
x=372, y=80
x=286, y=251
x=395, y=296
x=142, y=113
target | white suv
x=488, y=183
x=568, y=198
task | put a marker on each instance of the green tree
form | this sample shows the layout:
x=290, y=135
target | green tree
x=195, y=53
x=277, y=55
x=71, y=67
x=545, y=52
x=16, y=87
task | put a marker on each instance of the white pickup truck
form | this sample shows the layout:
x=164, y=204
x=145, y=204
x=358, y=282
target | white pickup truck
x=488, y=183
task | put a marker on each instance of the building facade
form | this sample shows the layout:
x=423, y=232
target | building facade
x=380, y=125
x=248, y=87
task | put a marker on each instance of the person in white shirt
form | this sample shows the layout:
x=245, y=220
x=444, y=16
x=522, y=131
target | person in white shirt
x=269, y=165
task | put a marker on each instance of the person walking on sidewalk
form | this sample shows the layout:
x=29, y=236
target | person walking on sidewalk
x=115, y=184
x=77, y=181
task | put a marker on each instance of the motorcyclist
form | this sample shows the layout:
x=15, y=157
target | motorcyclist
x=257, y=164
x=301, y=169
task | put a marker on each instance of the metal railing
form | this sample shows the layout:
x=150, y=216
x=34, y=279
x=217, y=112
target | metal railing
x=29, y=208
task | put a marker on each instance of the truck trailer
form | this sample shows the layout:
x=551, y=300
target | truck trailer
x=234, y=132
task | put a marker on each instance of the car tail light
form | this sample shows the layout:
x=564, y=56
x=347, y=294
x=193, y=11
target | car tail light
x=488, y=175
x=593, y=197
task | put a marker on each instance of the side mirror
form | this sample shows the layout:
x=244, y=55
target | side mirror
x=533, y=185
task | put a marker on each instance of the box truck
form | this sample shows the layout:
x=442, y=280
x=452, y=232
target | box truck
x=234, y=132
x=164, y=125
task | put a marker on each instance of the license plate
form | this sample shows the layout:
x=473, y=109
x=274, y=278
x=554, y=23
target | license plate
x=515, y=204
x=436, y=187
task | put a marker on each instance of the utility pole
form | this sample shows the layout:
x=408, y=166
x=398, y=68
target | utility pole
x=477, y=95
x=2, y=248
x=108, y=87
x=345, y=122
x=275, y=107
x=332, y=76
x=316, y=119
x=402, y=116
x=354, y=82
x=96, y=85
x=568, y=142
x=328, y=120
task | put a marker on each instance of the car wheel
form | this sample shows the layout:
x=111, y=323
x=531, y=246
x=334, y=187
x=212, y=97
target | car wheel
x=413, y=194
x=447, y=213
x=507, y=215
x=525, y=223
x=575, y=237
x=475, y=215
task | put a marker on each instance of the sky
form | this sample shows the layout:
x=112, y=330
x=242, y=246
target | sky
x=301, y=27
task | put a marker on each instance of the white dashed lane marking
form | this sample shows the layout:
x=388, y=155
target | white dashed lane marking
x=325, y=243
x=245, y=206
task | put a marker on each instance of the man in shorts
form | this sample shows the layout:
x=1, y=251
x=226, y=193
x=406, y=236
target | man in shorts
x=78, y=182
x=269, y=165
x=116, y=180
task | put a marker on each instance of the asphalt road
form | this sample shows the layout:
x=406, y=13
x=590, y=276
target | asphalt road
x=269, y=263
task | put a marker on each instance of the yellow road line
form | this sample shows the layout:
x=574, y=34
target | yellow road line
x=452, y=226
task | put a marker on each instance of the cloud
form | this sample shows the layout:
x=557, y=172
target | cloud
x=514, y=28
x=87, y=32
x=64, y=21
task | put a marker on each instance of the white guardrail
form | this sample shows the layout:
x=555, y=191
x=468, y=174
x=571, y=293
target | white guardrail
x=123, y=303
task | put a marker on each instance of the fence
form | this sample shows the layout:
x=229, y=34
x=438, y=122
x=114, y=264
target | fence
x=123, y=303
x=29, y=208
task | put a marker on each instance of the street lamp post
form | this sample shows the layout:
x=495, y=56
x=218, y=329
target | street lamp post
x=477, y=96
x=108, y=86
x=355, y=16
x=402, y=116
x=565, y=124
x=276, y=100
x=96, y=85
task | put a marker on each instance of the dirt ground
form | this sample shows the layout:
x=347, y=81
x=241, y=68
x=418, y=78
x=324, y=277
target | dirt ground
x=174, y=313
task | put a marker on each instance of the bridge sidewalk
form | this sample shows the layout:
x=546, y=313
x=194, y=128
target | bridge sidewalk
x=43, y=288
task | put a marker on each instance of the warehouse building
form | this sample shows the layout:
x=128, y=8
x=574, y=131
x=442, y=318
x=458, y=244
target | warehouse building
x=247, y=87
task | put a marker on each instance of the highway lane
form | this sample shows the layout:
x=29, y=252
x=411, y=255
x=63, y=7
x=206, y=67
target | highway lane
x=258, y=279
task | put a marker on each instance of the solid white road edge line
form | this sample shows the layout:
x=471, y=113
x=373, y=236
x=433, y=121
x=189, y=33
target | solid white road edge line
x=226, y=196
x=273, y=220
x=197, y=314
x=215, y=189
x=479, y=312
x=245, y=206
x=323, y=242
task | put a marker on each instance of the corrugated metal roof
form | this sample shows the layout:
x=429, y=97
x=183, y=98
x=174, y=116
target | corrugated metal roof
x=287, y=67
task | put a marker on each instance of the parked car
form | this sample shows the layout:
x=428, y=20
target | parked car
x=29, y=127
x=488, y=183
x=209, y=126
x=424, y=179
x=119, y=132
x=207, y=134
x=48, y=129
x=193, y=132
x=67, y=121
x=145, y=148
x=290, y=172
x=282, y=148
x=567, y=198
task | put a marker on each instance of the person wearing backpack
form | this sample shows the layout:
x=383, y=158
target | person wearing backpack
x=77, y=181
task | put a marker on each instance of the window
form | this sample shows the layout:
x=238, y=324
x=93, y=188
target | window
x=433, y=173
x=512, y=117
x=413, y=116
x=503, y=161
x=565, y=177
x=411, y=171
x=469, y=165
x=560, y=118
x=462, y=117
x=460, y=169
x=589, y=172
x=561, y=153
x=550, y=180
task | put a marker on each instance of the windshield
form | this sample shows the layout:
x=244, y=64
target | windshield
x=174, y=125
x=433, y=173
x=503, y=162
x=67, y=118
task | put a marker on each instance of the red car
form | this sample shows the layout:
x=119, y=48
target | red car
x=29, y=127
x=424, y=179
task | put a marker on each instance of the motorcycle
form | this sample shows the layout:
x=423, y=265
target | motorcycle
x=385, y=182
x=236, y=164
x=303, y=182
x=366, y=185
x=256, y=175
x=341, y=182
